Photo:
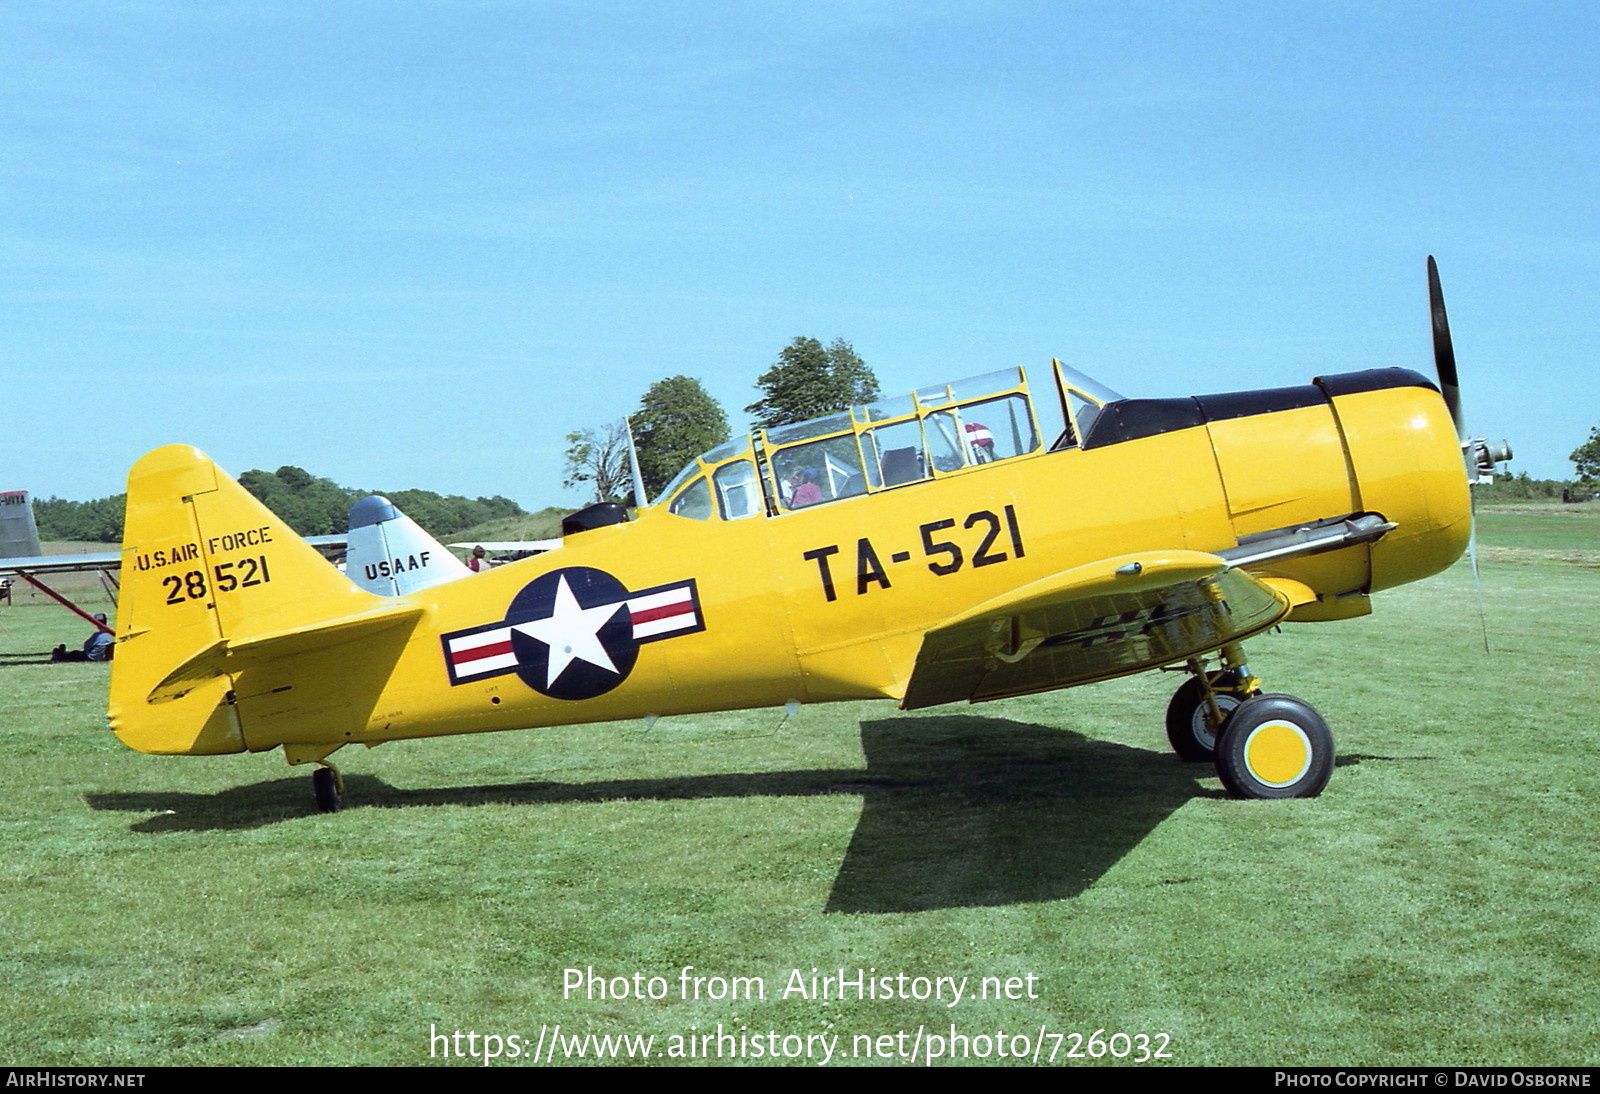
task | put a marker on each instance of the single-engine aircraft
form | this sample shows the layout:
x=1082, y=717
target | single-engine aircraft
x=968, y=541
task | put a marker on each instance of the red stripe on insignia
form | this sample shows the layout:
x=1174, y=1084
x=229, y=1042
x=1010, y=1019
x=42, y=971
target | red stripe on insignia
x=469, y=656
x=649, y=615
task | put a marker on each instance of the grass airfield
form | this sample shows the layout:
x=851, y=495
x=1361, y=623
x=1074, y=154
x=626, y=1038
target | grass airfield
x=1437, y=905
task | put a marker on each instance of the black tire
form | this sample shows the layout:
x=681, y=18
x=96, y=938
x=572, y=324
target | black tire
x=1275, y=746
x=325, y=788
x=1189, y=723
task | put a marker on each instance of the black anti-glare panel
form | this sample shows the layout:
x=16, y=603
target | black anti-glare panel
x=1372, y=379
x=1131, y=419
x=1242, y=404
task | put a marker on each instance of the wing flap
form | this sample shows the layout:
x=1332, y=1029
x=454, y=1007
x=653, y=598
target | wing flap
x=1108, y=618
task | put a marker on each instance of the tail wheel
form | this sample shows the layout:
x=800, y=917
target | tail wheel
x=1189, y=726
x=1275, y=746
x=326, y=789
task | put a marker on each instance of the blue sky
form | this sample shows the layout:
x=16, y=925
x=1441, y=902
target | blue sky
x=414, y=245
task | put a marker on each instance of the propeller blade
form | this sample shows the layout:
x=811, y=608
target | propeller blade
x=1444, y=352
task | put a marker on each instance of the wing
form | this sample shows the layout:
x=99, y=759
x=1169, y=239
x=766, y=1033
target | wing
x=1109, y=618
x=61, y=564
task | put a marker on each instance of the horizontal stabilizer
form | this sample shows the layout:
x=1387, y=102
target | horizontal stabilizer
x=60, y=564
x=224, y=656
x=513, y=546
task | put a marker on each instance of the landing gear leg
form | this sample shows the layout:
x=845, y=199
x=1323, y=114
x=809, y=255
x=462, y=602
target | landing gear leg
x=327, y=787
x=1200, y=708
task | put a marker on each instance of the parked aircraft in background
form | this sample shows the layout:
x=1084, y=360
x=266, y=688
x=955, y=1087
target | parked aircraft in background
x=22, y=556
x=389, y=555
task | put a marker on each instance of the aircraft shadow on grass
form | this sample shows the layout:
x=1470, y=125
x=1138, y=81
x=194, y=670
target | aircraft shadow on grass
x=7, y=660
x=959, y=810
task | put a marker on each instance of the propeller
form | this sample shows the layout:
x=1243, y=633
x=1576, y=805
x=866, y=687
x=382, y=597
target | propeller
x=1479, y=455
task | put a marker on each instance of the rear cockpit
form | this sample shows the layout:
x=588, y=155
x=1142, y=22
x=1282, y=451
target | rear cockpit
x=932, y=433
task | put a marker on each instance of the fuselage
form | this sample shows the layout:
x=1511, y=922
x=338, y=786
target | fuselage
x=830, y=602
x=928, y=509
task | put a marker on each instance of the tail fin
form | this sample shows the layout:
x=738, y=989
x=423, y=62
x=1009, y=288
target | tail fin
x=390, y=555
x=19, y=535
x=225, y=619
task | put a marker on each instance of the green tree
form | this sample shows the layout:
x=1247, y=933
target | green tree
x=297, y=479
x=445, y=515
x=676, y=421
x=598, y=460
x=809, y=381
x=855, y=380
x=309, y=505
x=98, y=521
x=1587, y=457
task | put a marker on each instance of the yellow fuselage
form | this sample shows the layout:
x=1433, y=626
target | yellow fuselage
x=831, y=602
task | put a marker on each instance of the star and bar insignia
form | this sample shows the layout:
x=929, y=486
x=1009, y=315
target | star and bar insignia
x=573, y=633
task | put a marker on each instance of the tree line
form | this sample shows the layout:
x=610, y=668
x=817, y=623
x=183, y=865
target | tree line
x=1520, y=487
x=310, y=505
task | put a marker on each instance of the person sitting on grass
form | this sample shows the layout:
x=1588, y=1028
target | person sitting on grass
x=97, y=647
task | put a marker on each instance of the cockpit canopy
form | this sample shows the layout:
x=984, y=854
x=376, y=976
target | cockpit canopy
x=931, y=433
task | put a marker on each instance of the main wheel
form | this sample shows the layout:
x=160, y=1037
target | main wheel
x=1189, y=726
x=325, y=788
x=1275, y=746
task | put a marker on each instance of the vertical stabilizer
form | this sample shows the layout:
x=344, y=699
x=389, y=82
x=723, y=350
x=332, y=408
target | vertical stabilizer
x=388, y=554
x=19, y=535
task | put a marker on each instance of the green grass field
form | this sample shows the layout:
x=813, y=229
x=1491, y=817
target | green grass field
x=1514, y=529
x=1437, y=905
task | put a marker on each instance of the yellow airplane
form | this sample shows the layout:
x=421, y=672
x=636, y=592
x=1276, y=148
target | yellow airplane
x=969, y=541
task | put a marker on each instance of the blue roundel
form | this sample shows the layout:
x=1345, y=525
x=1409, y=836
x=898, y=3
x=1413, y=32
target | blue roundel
x=572, y=634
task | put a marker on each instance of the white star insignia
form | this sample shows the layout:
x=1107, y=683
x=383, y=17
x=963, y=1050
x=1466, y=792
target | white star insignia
x=572, y=632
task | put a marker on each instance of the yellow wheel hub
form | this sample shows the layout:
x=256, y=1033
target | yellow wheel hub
x=1278, y=753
